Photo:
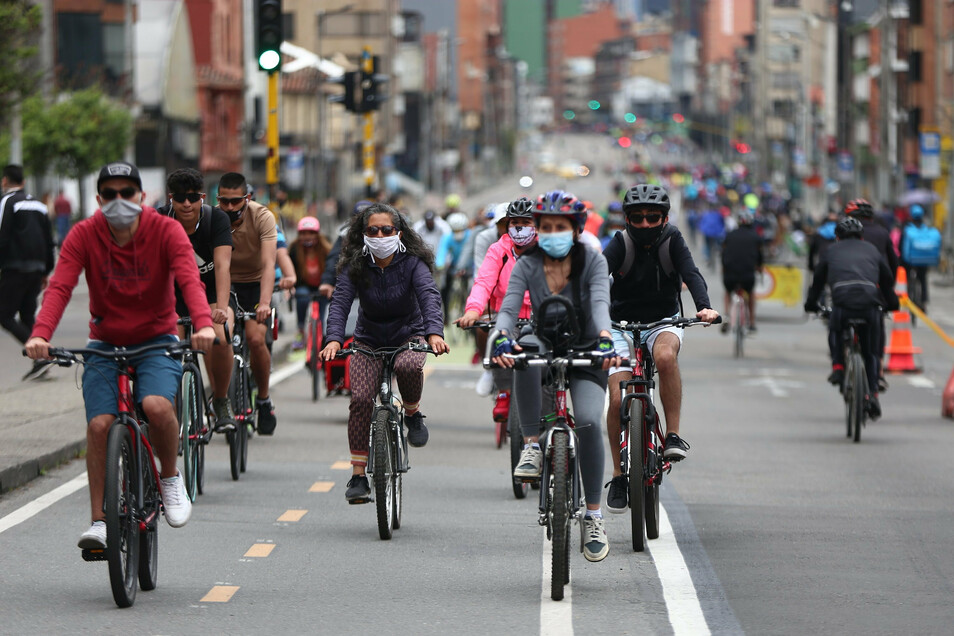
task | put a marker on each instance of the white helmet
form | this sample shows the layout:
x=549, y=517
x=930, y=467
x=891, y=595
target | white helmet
x=458, y=221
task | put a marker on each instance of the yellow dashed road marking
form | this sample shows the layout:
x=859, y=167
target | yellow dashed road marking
x=260, y=550
x=321, y=486
x=220, y=594
x=342, y=465
x=293, y=515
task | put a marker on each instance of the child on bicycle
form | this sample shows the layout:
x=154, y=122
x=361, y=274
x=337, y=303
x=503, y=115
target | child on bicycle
x=308, y=252
x=561, y=264
x=389, y=269
x=131, y=255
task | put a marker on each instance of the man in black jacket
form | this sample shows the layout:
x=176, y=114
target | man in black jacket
x=861, y=284
x=26, y=258
x=648, y=263
x=741, y=258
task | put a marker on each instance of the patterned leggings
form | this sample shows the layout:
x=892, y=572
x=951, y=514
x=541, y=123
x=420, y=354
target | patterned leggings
x=365, y=374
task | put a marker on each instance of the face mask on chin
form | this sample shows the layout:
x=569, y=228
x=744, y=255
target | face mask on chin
x=235, y=215
x=120, y=213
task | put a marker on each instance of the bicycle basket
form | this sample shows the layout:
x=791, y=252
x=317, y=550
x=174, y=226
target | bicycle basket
x=555, y=324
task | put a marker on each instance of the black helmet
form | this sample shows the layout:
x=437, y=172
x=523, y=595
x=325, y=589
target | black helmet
x=859, y=208
x=522, y=208
x=646, y=195
x=849, y=227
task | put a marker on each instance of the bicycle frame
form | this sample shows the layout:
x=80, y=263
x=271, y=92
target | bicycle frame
x=130, y=417
x=644, y=370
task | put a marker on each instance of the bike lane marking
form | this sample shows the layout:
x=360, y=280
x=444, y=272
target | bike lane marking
x=679, y=593
x=260, y=550
x=322, y=486
x=556, y=617
x=292, y=515
x=220, y=594
x=43, y=502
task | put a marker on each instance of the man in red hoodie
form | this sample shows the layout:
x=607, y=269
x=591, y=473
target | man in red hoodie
x=131, y=256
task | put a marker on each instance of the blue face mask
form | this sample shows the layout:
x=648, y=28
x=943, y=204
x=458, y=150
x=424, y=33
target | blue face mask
x=556, y=244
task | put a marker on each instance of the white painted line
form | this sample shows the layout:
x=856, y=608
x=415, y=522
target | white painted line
x=679, y=593
x=920, y=382
x=43, y=502
x=556, y=617
x=287, y=371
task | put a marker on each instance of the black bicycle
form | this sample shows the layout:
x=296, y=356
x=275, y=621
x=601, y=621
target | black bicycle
x=388, y=460
x=132, y=501
x=196, y=419
x=854, y=387
x=641, y=440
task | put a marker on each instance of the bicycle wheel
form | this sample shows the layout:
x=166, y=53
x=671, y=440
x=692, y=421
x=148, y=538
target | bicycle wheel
x=398, y=489
x=520, y=487
x=189, y=411
x=859, y=383
x=314, y=365
x=149, y=535
x=200, y=462
x=738, y=318
x=653, y=460
x=559, y=514
x=233, y=437
x=637, y=473
x=383, y=473
x=122, y=527
x=245, y=429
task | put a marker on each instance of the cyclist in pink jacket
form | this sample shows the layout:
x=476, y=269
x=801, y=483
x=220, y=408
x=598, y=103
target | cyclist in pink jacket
x=490, y=286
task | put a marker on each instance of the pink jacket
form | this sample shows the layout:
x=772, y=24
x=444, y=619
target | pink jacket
x=490, y=287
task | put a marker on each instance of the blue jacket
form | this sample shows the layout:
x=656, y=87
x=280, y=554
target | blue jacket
x=402, y=301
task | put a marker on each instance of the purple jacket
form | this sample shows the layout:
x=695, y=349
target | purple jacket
x=401, y=302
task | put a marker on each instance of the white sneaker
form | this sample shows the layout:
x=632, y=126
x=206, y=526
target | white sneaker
x=485, y=384
x=530, y=464
x=595, y=543
x=94, y=538
x=175, y=501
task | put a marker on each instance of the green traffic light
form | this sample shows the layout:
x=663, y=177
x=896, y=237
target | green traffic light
x=630, y=118
x=568, y=114
x=594, y=105
x=269, y=60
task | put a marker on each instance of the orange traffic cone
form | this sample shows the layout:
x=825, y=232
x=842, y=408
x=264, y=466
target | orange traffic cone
x=901, y=349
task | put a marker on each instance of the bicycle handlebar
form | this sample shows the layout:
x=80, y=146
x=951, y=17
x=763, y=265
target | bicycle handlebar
x=66, y=357
x=665, y=322
x=384, y=352
x=488, y=324
x=572, y=359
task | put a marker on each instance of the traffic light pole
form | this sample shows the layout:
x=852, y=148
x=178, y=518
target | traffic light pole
x=271, y=136
x=367, y=68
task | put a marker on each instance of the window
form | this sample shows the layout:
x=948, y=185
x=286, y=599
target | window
x=791, y=4
x=114, y=50
x=353, y=24
x=79, y=48
x=288, y=26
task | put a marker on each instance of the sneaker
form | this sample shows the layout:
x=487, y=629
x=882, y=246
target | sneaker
x=485, y=384
x=416, y=430
x=752, y=330
x=175, y=501
x=224, y=418
x=38, y=370
x=676, y=448
x=595, y=543
x=298, y=344
x=94, y=538
x=266, y=417
x=882, y=384
x=873, y=407
x=359, y=490
x=616, y=498
x=837, y=377
x=725, y=327
x=530, y=464
x=502, y=407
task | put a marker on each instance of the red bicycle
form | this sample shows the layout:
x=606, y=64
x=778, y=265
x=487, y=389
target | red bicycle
x=313, y=344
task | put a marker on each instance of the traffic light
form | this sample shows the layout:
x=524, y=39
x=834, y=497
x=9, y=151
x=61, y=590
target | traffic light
x=371, y=80
x=268, y=34
x=350, y=83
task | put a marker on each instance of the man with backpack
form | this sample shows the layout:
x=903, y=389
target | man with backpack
x=649, y=262
x=920, y=249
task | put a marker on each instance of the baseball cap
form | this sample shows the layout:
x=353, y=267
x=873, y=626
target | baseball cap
x=119, y=170
x=429, y=214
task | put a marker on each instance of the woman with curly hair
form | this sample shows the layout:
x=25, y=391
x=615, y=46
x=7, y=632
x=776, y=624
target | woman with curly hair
x=389, y=269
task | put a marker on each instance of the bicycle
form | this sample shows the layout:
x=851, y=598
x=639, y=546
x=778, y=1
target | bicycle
x=739, y=319
x=854, y=387
x=194, y=435
x=641, y=432
x=387, y=461
x=313, y=343
x=132, y=499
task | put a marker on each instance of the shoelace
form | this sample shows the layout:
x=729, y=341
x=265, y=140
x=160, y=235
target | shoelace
x=171, y=491
x=677, y=441
x=594, y=528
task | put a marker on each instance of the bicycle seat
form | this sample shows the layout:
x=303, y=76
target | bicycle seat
x=532, y=344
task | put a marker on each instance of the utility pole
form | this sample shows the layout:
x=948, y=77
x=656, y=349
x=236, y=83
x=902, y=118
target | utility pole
x=367, y=153
x=884, y=86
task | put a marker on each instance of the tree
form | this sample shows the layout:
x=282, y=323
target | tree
x=20, y=24
x=75, y=136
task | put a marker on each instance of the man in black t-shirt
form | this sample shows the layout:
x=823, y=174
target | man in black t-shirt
x=210, y=233
x=741, y=259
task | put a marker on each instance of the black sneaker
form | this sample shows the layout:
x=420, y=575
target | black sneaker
x=873, y=407
x=224, y=419
x=416, y=430
x=266, y=417
x=676, y=448
x=616, y=498
x=837, y=377
x=38, y=370
x=359, y=490
x=752, y=330
x=724, y=329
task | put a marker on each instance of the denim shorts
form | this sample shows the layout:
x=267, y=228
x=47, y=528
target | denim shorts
x=156, y=374
x=622, y=339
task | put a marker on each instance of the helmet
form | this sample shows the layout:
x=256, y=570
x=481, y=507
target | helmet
x=615, y=207
x=489, y=211
x=916, y=211
x=309, y=224
x=859, y=208
x=646, y=195
x=360, y=206
x=522, y=208
x=746, y=217
x=452, y=201
x=500, y=213
x=849, y=227
x=458, y=221
x=560, y=203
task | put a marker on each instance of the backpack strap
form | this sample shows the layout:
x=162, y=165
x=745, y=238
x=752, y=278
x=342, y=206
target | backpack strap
x=665, y=257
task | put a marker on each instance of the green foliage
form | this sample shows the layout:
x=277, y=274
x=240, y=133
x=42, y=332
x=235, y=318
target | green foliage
x=20, y=24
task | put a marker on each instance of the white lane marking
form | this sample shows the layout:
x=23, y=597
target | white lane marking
x=42, y=502
x=287, y=371
x=920, y=382
x=679, y=593
x=556, y=617
x=778, y=388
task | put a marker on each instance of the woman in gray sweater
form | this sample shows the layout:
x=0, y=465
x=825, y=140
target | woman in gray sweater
x=562, y=265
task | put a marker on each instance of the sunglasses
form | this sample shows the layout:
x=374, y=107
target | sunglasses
x=652, y=218
x=230, y=201
x=380, y=230
x=191, y=197
x=108, y=194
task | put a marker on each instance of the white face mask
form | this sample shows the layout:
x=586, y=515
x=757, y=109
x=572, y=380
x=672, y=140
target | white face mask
x=120, y=213
x=522, y=234
x=383, y=246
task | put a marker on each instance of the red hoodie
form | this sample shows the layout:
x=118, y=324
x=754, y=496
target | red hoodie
x=131, y=294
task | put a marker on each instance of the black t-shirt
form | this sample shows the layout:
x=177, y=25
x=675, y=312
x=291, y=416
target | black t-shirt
x=741, y=253
x=214, y=230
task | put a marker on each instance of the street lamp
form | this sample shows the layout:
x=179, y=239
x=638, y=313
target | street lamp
x=322, y=172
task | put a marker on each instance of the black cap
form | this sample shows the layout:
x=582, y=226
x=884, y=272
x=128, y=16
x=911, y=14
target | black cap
x=429, y=214
x=119, y=170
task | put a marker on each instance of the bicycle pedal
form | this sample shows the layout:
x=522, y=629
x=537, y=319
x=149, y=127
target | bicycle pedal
x=363, y=500
x=98, y=554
